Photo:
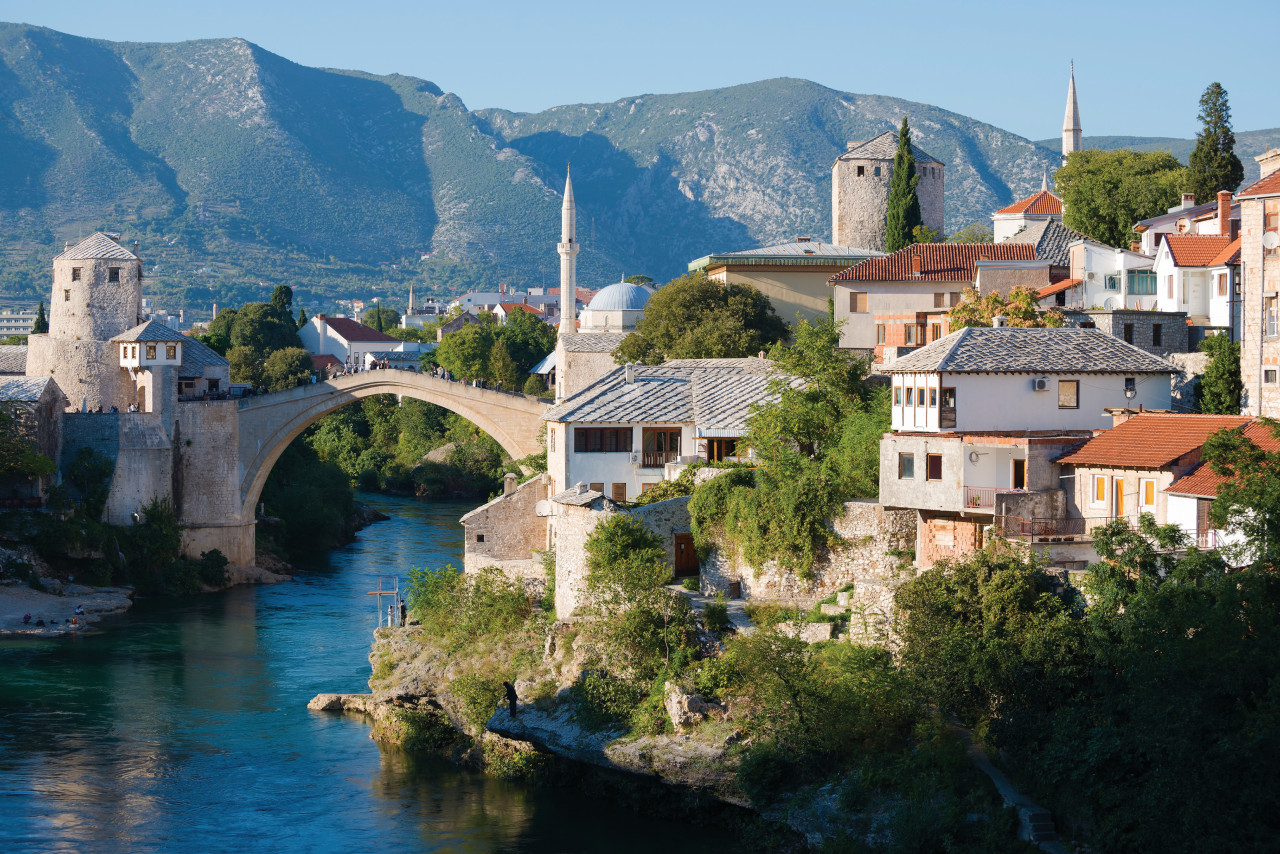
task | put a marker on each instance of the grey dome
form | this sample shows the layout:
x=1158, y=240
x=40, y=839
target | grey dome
x=623, y=296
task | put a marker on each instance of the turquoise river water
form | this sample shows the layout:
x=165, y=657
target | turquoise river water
x=184, y=727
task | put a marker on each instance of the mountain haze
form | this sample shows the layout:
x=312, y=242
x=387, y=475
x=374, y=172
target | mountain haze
x=237, y=170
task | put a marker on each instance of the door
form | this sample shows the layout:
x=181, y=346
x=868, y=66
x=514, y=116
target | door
x=686, y=556
x=1019, y=474
x=1117, y=497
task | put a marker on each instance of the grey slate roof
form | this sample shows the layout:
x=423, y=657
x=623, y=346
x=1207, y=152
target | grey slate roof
x=152, y=330
x=713, y=394
x=22, y=389
x=577, y=495
x=1036, y=351
x=796, y=248
x=593, y=342
x=95, y=247
x=13, y=359
x=1052, y=240
x=196, y=354
x=884, y=147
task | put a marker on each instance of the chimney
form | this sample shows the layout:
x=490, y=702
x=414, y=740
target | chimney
x=1188, y=200
x=322, y=323
x=1135, y=246
x=998, y=321
x=509, y=483
x=630, y=375
x=1269, y=162
x=1224, y=212
x=917, y=264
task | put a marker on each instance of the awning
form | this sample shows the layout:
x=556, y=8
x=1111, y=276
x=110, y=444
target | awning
x=719, y=433
x=546, y=366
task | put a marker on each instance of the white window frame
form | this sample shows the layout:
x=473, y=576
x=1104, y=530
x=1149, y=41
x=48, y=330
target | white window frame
x=1094, y=501
x=1143, y=506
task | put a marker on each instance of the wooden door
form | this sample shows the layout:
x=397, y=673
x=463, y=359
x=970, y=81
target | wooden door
x=686, y=556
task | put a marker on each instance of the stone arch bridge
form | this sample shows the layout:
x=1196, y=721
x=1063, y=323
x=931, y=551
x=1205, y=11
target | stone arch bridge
x=230, y=447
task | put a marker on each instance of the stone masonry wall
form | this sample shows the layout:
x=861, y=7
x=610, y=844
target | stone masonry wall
x=506, y=532
x=870, y=531
x=86, y=371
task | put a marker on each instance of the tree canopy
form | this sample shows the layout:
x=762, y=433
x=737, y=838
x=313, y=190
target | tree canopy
x=1019, y=308
x=693, y=317
x=249, y=335
x=1219, y=390
x=381, y=318
x=974, y=232
x=1213, y=165
x=41, y=325
x=903, y=214
x=1105, y=192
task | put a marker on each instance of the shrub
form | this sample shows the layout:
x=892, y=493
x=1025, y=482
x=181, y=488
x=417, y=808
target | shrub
x=506, y=762
x=691, y=584
x=716, y=615
x=767, y=770
x=478, y=696
x=425, y=730
x=602, y=700
x=213, y=568
x=449, y=604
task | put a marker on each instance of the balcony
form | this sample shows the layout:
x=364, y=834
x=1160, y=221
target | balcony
x=984, y=497
x=1211, y=539
x=1059, y=529
x=657, y=459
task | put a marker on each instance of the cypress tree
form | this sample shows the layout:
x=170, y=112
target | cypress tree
x=904, y=206
x=302, y=317
x=42, y=323
x=1214, y=165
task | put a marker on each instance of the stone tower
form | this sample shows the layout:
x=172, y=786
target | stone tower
x=97, y=295
x=568, y=249
x=860, y=191
x=1071, y=122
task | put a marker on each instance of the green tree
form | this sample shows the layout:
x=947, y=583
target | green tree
x=501, y=369
x=527, y=339
x=260, y=327
x=286, y=368
x=925, y=234
x=19, y=454
x=1105, y=192
x=695, y=318
x=1219, y=390
x=466, y=351
x=1213, y=164
x=246, y=365
x=1249, y=497
x=974, y=232
x=535, y=386
x=302, y=317
x=1020, y=308
x=41, y=326
x=381, y=318
x=638, y=280
x=282, y=300
x=904, y=205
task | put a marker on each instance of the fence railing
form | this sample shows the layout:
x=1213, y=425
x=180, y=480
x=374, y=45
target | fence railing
x=1055, y=529
x=657, y=459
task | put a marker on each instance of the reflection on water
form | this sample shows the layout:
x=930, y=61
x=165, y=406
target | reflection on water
x=186, y=728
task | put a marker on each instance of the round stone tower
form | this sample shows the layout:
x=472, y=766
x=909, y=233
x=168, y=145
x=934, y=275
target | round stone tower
x=860, y=191
x=97, y=295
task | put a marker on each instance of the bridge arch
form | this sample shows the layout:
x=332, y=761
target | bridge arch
x=267, y=424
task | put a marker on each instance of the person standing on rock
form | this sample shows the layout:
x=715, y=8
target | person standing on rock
x=511, y=697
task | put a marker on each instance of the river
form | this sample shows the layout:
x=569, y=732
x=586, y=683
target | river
x=184, y=727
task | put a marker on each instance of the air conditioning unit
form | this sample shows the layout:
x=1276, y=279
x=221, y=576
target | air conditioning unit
x=1040, y=384
x=635, y=458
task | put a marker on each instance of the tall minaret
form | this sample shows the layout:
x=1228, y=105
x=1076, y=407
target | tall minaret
x=1071, y=124
x=410, y=311
x=568, y=249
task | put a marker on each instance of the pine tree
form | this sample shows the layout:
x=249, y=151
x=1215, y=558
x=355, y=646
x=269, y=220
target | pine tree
x=904, y=206
x=302, y=317
x=42, y=323
x=1214, y=165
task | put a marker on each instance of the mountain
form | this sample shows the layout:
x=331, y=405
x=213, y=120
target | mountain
x=1249, y=144
x=237, y=170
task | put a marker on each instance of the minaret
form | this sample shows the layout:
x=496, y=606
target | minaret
x=568, y=249
x=1071, y=123
x=410, y=311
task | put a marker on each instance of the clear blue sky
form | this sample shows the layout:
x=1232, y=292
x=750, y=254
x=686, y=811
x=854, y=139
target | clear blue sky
x=1140, y=67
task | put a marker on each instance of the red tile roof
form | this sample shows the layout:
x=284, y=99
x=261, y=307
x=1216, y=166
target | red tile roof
x=1229, y=255
x=1040, y=203
x=940, y=262
x=353, y=330
x=1061, y=285
x=321, y=361
x=1196, y=250
x=519, y=306
x=1268, y=186
x=1203, y=482
x=1150, y=440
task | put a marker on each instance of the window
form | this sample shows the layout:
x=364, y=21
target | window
x=948, y=398
x=1068, y=394
x=933, y=467
x=1130, y=387
x=1269, y=376
x=1018, y=476
x=1168, y=286
x=857, y=302
x=1157, y=334
x=933, y=398
x=171, y=351
x=935, y=332
x=1142, y=283
x=897, y=395
x=479, y=538
x=1111, y=283
x=113, y=275
x=75, y=273
x=877, y=172
x=1099, y=494
x=66, y=295
x=906, y=466
x=920, y=396
x=723, y=449
x=124, y=351
x=1128, y=333
x=956, y=298
x=594, y=440
x=862, y=170
x=151, y=351
x=880, y=334
x=940, y=300
x=619, y=492
x=1147, y=495
x=909, y=335
x=661, y=445
x=551, y=439
x=1222, y=284
x=1271, y=219
x=596, y=487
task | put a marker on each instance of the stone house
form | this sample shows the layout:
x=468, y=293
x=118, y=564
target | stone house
x=901, y=300
x=1260, y=282
x=980, y=417
x=36, y=406
x=860, y=191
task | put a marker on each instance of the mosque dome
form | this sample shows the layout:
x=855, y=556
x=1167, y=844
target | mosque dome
x=622, y=296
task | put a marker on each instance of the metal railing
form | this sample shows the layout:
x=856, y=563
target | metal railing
x=983, y=497
x=1211, y=539
x=1055, y=529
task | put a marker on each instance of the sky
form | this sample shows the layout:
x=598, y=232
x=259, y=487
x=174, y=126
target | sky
x=1140, y=68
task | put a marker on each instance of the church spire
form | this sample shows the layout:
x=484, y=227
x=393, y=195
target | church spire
x=568, y=250
x=1071, y=122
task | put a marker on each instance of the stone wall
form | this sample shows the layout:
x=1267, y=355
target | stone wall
x=1173, y=328
x=870, y=531
x=88, y=372
x=507, y=532
x=206, y=481
x=940, y=536
x=1191, y=368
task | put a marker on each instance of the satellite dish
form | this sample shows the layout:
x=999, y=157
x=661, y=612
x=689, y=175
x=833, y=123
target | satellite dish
x=1110, y=304
x=1271, y=240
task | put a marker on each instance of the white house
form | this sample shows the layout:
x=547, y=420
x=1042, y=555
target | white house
x=1103, y=277
x=1196, y=274
x=349, y=340
x=1216, y=217
x=1043, y=206
x=624, y=432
